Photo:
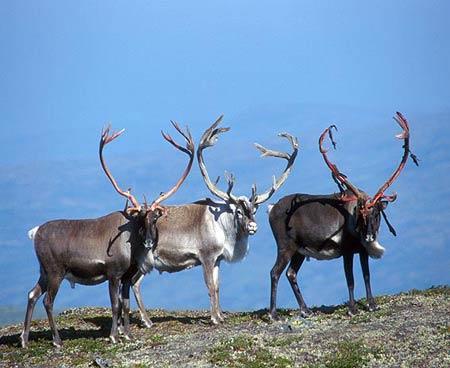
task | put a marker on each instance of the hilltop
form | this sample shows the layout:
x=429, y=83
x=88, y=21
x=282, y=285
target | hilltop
x=410, y=330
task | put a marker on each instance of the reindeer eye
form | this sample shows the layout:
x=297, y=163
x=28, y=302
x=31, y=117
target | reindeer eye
x=239, y=212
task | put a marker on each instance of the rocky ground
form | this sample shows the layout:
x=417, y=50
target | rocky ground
x=408, y=330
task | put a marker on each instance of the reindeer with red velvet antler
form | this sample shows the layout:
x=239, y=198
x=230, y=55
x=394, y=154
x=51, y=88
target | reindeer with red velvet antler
x=115, y=248
x=331, y=226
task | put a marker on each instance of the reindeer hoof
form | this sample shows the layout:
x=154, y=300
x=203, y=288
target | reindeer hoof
x=113, y=339
x=127, y=337
x=221, y=317
x=273, y=316
x=352, y=311
x=147, y=323
x=120, y=329
x=305, y=312
x=57, y=344
x=215, y=320
x=372, y=307
x=23, y=340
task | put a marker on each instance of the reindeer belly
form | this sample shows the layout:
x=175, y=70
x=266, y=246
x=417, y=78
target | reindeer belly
x=322, y=254
x=321, y=249
x=86, y=272
x=174, y=260
x=94, y=280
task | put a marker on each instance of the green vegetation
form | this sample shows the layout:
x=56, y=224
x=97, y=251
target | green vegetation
x=349, y=354
x=284, y=341
x=243, y=351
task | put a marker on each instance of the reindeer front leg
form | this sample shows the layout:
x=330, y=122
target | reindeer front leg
x=348, y=268
x=208, y=274
x=364, y=260
x=125, y=306
x=216, y=290
x=114, y=286
x=137, y=293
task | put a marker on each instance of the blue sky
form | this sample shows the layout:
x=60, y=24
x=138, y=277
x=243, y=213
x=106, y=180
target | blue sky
x=69, y=67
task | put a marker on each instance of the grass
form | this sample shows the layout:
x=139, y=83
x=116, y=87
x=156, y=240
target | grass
x=243, y=351
x=37, y=351
x=284, y=341
x=432, y=291
x=349, y=354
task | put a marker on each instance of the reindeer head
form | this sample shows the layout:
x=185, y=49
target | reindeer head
x=149, y=214
x=150, y=218
x=369, y=209
x=244, y=208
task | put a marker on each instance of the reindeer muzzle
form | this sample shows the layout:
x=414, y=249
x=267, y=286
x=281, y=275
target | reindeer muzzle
x=252, y=227
x=370, y=238
x=149, y=243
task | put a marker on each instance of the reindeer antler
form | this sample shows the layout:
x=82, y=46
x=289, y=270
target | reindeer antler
x=401, y=120
x=209, y=139
x=189, y=150
x=277, y=183
x=104, y=140
x=337, y=175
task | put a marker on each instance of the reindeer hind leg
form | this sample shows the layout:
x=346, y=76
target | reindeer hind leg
x=291, y=273
x=52, y=289
x=283, y=257
x=33, y=296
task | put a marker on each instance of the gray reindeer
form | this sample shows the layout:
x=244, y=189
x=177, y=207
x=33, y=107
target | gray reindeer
x=207, y=231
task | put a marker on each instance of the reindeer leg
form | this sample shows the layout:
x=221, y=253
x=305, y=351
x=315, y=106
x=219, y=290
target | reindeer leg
x=216, y=291
x=291, y=273
x=283, y=258
x=125, y=302
x=137, y=294
x=33, y=296
x=208, y=274
x=49, y=298
x=348, y=268
x=364, y=260
x=114, y=286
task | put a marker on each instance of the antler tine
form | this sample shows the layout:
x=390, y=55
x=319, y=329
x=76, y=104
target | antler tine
x=334, y=170
x=209, y=139
x=230, y=178
x=187, y=136
x=104, y=140
x=272, y=153
x=210, y=136
x=293, y=140
x=106, y=137
x=401, y=120
x=253, y=196
x=189, y=150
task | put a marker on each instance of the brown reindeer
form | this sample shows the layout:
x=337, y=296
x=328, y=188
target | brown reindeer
x=113, y=248
x=331, y=226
